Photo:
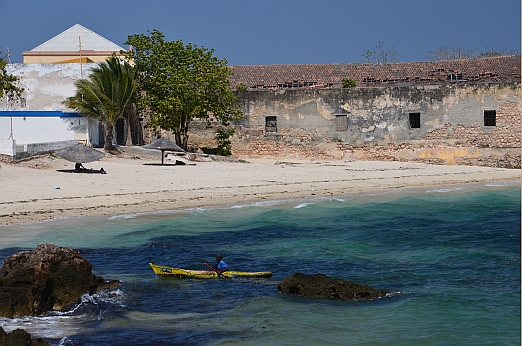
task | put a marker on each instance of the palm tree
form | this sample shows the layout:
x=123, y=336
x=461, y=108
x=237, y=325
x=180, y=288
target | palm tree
x=105, y=94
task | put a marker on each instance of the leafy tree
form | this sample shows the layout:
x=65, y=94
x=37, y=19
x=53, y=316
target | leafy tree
x=381, y=54
x=348, y=83
x=105, y=94
x=179, y=83
x=8, y=82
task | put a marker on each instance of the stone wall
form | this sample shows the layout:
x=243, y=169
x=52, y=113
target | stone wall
x=373, y=124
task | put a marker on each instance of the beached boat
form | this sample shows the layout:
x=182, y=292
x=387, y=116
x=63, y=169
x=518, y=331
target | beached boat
x=204, y=274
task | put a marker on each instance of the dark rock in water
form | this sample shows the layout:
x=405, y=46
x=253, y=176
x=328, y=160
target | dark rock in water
x=323, y=287
x=19, y=337
x=47, y=278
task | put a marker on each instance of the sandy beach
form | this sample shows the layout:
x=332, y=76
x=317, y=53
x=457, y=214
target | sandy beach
x=44, y=188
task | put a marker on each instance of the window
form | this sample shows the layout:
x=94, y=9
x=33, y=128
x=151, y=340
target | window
x=414, y=120
x=23, y=103
x=341, y=123
x=455, y=76
x=271, y=124
x=490, y=118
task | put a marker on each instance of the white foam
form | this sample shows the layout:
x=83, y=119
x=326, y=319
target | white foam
x=447, y=190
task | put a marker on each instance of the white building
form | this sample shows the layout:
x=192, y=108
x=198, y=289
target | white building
x=39, y=119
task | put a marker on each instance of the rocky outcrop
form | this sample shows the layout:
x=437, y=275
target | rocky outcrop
x=20, y=337
x=320, y=286
x=44, y=279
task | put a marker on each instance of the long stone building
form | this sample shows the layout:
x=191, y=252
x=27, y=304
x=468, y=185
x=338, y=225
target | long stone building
x=446, y=112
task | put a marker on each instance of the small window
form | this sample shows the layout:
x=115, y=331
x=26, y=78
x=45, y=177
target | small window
x=271, y=124
x=341, y=123
x=490, y=118
x=23, y=103
x=455, y=76
x=414, y=120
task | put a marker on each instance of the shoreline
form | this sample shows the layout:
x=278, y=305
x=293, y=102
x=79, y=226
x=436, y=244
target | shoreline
x=40, y=190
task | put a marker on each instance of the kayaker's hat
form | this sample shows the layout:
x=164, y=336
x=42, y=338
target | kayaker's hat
x=219, y=256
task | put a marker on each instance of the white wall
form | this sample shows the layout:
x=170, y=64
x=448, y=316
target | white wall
x=7, y=147
x=42, y=129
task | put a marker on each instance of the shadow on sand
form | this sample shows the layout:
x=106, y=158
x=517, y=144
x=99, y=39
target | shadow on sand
x=164, y=164
x=87, y=171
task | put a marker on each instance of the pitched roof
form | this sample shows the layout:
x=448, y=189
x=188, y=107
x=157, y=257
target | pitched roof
x=69, y=41
x=494, y=69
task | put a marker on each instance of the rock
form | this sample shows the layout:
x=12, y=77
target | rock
x=44, y=279
x=320, y=286
x=19, y=337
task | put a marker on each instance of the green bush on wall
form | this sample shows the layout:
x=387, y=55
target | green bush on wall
x=348, y=83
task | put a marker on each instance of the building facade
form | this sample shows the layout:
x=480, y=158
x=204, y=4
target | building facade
x=445, y=112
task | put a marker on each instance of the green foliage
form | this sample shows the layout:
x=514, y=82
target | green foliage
x=381, y=54
x=8, y=82
x=178, y=83
x=348, y=83
x=105, y=94
x=241, y=87
x=489, y=54
x=224, y=146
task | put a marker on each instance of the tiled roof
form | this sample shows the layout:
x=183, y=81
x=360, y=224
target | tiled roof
x=494, y=69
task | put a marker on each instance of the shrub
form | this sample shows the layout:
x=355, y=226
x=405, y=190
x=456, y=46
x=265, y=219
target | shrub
x=224, y=146
x=348, y=83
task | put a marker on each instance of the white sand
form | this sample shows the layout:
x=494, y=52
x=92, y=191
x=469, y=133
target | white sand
x=35, y=190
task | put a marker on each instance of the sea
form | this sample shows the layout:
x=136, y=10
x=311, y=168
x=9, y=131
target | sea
x=449, y=255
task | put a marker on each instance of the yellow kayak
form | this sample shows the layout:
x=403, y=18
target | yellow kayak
x=204, y=274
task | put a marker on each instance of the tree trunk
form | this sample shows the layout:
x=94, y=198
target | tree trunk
x=134, y=126
x=108, y=139
x=185, y=133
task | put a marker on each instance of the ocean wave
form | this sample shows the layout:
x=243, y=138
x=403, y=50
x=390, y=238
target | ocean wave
x=451, y=189
x=63, y=324
x=124, y=216
x=504, y=184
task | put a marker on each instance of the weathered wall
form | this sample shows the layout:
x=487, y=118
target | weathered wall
x=46, y=85
x=451, y=129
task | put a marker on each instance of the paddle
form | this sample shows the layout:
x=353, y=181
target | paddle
x=218, y=273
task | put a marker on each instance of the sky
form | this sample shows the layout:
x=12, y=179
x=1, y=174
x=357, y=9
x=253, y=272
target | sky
x=263, y=32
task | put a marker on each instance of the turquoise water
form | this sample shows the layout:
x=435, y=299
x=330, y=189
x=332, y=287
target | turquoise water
x=451, y=254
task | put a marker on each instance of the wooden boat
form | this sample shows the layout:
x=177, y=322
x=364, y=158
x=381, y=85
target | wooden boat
x=204, y=274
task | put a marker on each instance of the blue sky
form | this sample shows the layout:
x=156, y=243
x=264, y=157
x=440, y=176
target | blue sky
x=264, y=32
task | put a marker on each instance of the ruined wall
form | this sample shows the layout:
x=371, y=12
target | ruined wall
x=374, y=124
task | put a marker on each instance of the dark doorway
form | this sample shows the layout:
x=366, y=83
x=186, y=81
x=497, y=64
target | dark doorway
x=120, y=131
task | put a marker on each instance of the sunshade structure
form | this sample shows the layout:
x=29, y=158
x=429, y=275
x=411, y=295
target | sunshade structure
x=163, y=144
x=80, y=153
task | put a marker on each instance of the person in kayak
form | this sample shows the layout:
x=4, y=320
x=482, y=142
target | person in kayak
x=220, y=267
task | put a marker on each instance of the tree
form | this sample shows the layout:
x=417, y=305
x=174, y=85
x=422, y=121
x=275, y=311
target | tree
x=224, y=146
x=8, y=82
x=178, y=83
x=381, y=55
x=105, y=94
x=453, y=53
